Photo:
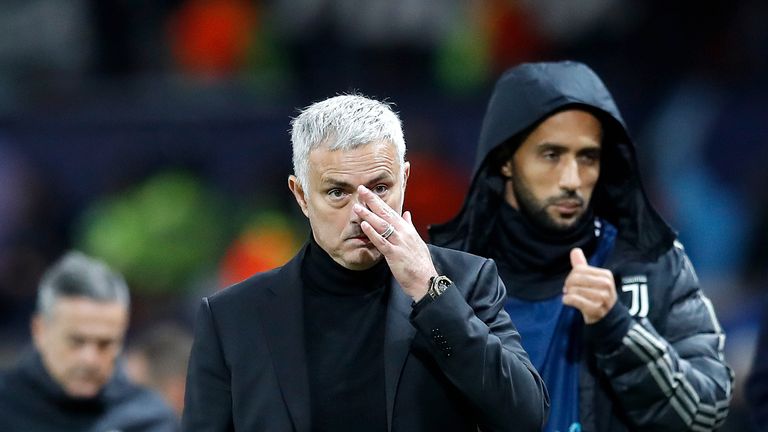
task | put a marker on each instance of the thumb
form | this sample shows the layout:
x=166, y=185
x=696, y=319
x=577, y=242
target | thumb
x=577, y=257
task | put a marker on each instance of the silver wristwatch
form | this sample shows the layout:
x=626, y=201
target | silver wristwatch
x=437, y=286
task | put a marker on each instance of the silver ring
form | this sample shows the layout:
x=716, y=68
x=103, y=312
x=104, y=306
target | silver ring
x=388, y=232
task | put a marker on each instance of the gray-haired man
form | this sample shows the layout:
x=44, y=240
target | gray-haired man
x=70, y=381
x=366, y=328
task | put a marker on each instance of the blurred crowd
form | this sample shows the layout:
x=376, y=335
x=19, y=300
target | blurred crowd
x=153, y=134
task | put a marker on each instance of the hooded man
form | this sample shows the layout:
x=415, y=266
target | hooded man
x=607, y=303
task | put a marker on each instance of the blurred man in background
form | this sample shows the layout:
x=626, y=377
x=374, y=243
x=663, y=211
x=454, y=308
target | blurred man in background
x=606, y=300
x=158, y=359
x=71, y=380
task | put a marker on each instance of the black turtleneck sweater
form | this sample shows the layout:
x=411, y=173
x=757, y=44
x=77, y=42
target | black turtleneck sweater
x=534, y=261
x=344, y=315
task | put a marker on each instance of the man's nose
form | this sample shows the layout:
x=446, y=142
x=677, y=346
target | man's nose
x=355, y=200
x=569, y=177
x=89, y=353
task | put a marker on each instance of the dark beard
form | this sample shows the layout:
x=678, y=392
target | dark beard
x=536, y=211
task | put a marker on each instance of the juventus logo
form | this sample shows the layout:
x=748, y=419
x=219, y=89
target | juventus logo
x=638, y=286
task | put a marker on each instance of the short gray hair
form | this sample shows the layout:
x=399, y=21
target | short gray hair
x=77, y=275
x=343, y=122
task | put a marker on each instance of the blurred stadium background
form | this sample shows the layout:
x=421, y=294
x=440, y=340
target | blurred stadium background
x=153, y=133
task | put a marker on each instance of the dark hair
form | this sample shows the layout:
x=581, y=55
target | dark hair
x=77, y=275
x=506, y=150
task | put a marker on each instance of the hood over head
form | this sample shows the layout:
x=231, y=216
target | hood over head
x=523, y=97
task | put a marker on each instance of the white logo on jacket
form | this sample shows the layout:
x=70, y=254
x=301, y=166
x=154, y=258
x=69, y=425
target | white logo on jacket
x=638, y=286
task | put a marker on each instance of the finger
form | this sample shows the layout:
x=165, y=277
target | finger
x=585, y=305
x=594, y=280
x=372, y=218
x=588, y=269
x=600, y=296
x=590, y=311
x=378, y=241
x=577, y=257
x=377, y=205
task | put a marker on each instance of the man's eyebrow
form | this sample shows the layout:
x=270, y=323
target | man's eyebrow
x=560, y=147
x=380, y=177
x=336, y=183
x=595, y=149
x=551, y=146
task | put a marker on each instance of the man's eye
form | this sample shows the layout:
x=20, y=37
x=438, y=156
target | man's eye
x=380, y=189
x=106, y=344
x=336, y=193
x=590, y=159
x=76, y=342
x=550, y=155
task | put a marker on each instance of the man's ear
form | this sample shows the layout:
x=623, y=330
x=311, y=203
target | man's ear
x=36, y=326
x=406, y=173
x=507, y=169
x=298, y=192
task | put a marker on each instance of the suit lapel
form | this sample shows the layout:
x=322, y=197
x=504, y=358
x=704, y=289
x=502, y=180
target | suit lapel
x=398, y=335
x=283, y=321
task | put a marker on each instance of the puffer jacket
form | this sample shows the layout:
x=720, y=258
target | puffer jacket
x=655, y=362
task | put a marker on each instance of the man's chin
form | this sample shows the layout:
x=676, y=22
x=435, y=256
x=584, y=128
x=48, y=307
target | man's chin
x=562, y=223
x=362, y=258
x=566, y=224
x=83, y=391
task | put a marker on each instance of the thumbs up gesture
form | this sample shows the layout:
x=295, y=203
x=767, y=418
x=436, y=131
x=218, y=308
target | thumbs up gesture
x=589, y=289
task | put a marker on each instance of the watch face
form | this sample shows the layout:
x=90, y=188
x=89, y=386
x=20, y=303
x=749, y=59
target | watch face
x=439, y=285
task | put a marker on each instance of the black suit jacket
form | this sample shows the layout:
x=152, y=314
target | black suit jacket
x=455, y=365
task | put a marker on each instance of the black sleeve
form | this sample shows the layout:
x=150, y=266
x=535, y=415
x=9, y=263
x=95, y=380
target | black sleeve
x=208, y=400
x=478, y=348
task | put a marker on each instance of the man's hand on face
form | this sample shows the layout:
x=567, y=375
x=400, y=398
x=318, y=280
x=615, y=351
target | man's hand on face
x=405, y=251
x=589, y=289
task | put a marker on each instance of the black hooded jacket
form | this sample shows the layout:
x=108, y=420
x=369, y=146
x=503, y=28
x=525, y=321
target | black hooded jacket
x=30, y=400
x=523, y=97
x=656, y=366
